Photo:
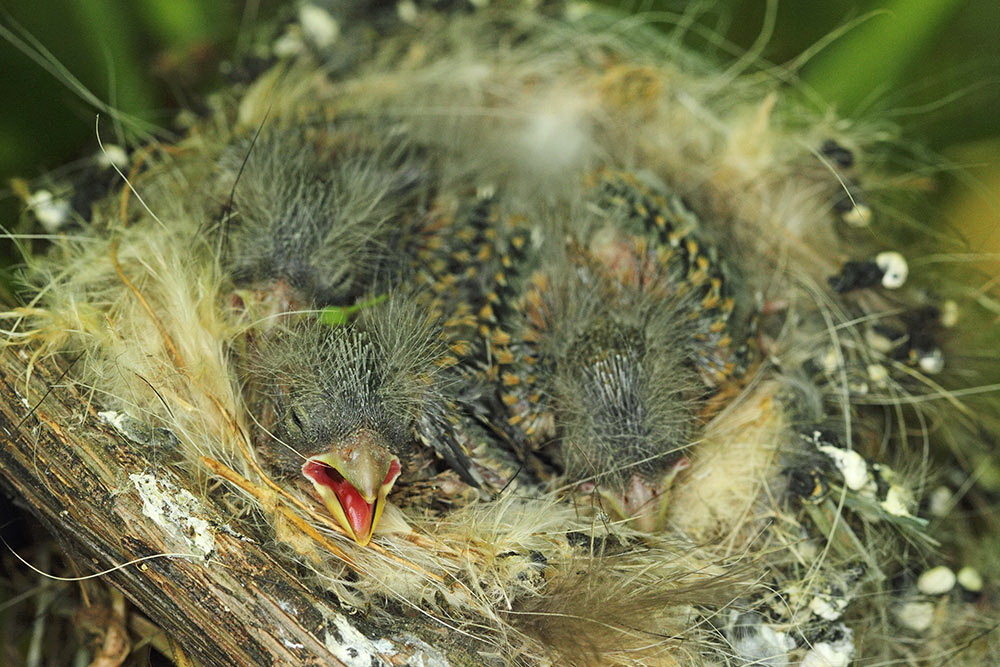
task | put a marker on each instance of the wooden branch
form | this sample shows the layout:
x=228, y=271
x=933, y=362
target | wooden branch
x=231, y=602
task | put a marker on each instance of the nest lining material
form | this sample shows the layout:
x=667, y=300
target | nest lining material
x=749, y=567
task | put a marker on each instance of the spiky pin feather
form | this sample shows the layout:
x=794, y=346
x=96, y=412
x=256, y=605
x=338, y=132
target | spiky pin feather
x=594, y=314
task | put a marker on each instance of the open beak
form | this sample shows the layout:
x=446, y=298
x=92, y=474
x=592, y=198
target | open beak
x=353, y=484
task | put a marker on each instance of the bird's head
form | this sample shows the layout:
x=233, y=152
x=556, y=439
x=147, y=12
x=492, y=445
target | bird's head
x=622, y=392
x=315, y=212
x=342, y=403
x=343, y=427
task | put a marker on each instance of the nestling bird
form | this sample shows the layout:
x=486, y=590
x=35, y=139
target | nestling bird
x=351, y=406
x=326, y=220
x=625, y=330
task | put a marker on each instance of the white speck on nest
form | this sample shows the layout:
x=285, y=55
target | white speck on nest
x=895, y=267
x=940, y=501
x=51, y=211
x=353, y=648
x=917, y=615
x=828, y=607
x=319, y=26
x=851, y=465
x=115, y=419
x=831, y=654
x=176, y=512
x=763, y=646
x=407, y=11
x=936, y=581
x=289, y=44
x=113, y=155
x=831, y=360
x=898, y=501
x=860, y=215
x=878, y=374
x=970, y=579
x=555, y=135
x=949, y=314
x=421, y=654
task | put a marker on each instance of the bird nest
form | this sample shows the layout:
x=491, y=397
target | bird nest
x=636, y=332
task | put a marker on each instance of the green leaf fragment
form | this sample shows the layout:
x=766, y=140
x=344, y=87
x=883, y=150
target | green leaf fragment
x=336, y=316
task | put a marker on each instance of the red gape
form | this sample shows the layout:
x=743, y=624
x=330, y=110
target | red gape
x=359, y=512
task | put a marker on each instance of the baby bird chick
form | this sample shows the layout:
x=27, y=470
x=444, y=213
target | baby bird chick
x=609, y=378
x=317, y=215
x=324, y=220
x=349, y=406
x=624, y=335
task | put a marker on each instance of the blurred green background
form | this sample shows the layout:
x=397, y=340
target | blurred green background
x=933, y=66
